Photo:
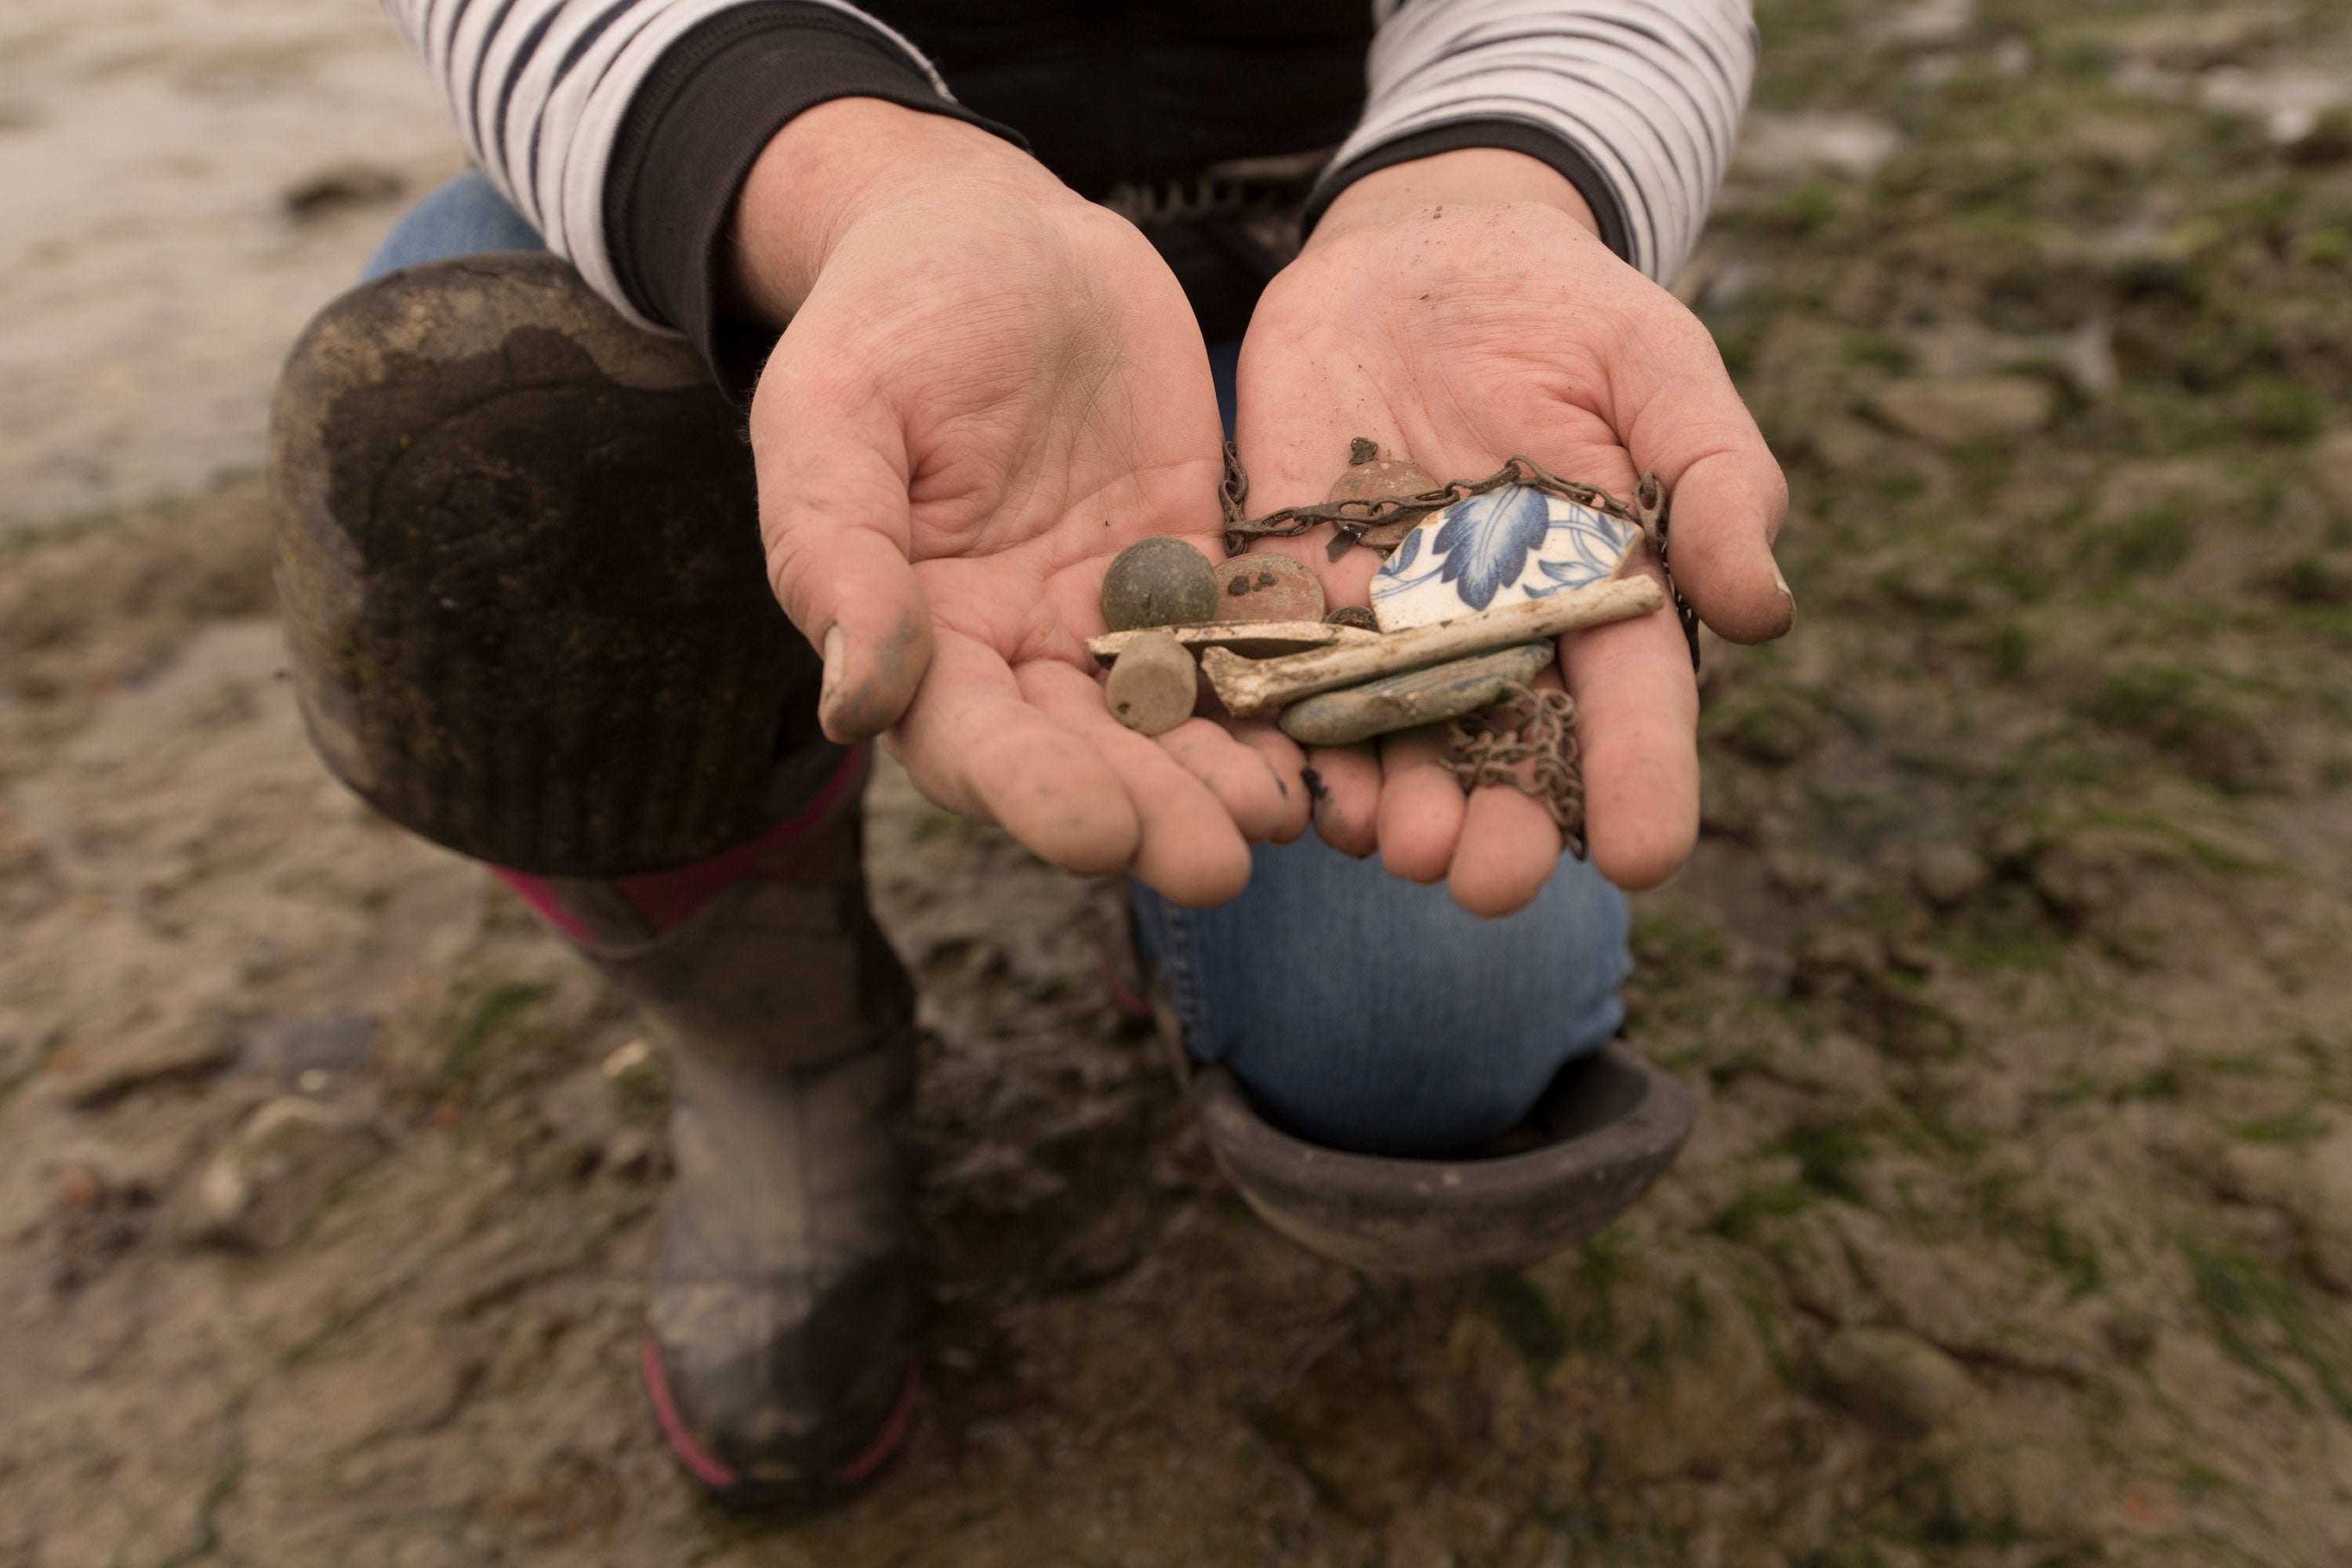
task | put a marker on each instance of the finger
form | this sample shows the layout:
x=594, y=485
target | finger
x=834, y=518
x=877, y=641
x=1509, y=844
x=1728, y=508
x=1186, y=844
x=1346, y=790
x=1287, y=760
x=1239, y=776
x=1422, y=805
x=972, y=744
x=1509, y=848
x=1682, y=419
x=1637, y=720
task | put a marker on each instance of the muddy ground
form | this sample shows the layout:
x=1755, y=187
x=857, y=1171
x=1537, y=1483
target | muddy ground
x=2010, y=975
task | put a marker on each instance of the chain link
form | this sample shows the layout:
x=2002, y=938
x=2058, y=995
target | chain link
x=1528, y=740
x=1353, y=519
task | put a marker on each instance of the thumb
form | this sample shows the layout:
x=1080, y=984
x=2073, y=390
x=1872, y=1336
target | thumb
x=1727, y=507
x=877, y=641
x=1688, y=426
x=834, y=518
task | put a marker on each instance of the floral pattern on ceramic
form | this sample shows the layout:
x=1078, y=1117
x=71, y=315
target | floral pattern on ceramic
x=1501, y=548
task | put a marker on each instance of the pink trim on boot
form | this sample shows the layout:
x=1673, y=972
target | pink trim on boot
x=1123, y=996
x=712, y=1472
x=542, y=902
x=669, y=898
x=894, y=1432
x=699, y=1465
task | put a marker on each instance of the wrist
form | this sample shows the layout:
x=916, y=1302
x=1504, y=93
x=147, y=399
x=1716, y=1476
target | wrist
x=1467, y=177
x=836, y=163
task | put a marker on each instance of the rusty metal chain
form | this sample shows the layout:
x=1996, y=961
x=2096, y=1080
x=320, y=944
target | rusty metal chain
x=1650, y=506
x=1528, y=740
x=1352, y=519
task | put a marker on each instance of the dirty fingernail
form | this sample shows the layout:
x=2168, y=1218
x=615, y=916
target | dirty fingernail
x=833, y=662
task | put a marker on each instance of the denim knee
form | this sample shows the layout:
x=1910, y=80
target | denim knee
x=1381, y=1090
x=1368, y=1014
x=465, y=216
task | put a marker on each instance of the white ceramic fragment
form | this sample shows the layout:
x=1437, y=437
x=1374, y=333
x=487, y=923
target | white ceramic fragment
x=1506, y=547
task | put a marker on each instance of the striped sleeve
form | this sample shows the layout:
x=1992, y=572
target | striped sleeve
x=1636, y=102
x=542, y=92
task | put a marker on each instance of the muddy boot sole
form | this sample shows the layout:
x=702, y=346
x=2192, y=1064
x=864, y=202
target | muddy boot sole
x=518, y=550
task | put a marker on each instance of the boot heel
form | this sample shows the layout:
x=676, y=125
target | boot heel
x=1607, y=1130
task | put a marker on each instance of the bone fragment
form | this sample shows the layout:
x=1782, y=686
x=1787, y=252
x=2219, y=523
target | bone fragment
x=1249, y=688
x=1257, y=639
x=1427, y=696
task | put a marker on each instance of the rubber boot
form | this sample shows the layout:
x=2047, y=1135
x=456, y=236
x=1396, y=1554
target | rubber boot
x=781, y=1349
x=520, y=558
x=1608, y=1126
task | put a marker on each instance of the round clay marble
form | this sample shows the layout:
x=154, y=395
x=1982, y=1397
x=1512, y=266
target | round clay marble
x=1152, y=684
x=1158, y=581
x=1267, y=587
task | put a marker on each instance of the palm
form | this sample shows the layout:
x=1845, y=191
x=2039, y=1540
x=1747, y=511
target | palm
x=1458, y=400
x=1461, y=341
x=959, y=430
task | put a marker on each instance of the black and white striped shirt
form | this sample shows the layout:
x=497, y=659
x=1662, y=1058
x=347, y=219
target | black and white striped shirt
x=621, y=128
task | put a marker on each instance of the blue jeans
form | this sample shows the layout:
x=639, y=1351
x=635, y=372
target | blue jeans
x=1363, y=1012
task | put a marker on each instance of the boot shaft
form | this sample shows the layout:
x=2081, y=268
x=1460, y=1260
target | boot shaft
x=766, y=955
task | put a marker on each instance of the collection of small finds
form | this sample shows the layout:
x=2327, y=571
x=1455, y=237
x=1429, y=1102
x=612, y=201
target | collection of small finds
x=1479, y=576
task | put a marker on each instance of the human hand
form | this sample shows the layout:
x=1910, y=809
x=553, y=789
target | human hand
x=1460, y=310
x=988, y=387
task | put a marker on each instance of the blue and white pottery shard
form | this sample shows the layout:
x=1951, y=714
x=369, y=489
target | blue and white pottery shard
x=1504, y=547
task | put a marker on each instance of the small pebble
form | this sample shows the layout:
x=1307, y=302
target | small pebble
x=1158, y=581
x=1948, y=874
x=1267, y=587
x=1357, y=615
x=1893, y=1379
x=1153, y=685
x=627, y=1059
x=1417, y=697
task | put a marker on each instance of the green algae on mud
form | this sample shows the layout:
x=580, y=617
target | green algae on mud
x=2079, y=1129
